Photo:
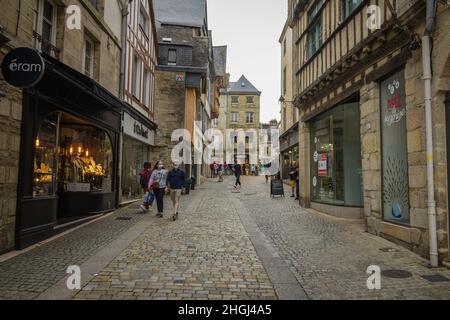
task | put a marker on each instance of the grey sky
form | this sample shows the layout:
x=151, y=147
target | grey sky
x=251, y=29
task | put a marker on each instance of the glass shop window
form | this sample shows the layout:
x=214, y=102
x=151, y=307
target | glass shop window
x=336, y=157
x=86, y=157
x=44, y=179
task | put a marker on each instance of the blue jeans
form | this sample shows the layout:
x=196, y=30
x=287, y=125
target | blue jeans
x=149, y=198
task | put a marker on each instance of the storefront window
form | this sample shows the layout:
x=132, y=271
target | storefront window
x=336, y=157
x=394, y=150
x=135, y=154
x=44, y=180
x=86, y=157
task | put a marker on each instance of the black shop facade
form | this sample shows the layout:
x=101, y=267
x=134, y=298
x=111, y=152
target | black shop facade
x=69, y=153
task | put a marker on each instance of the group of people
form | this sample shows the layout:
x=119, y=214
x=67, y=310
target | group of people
x=228, y=169
x=157, y=182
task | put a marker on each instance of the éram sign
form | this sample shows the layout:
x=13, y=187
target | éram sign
x=23, y=67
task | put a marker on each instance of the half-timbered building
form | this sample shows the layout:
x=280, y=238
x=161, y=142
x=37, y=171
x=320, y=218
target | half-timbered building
x=359, y=87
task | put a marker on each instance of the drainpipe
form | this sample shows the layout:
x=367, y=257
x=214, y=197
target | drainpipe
x=125, y=13
x=427, y=78
x=123, y=53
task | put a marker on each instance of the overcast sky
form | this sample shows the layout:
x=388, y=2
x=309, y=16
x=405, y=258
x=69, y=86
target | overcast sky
x=251, y=29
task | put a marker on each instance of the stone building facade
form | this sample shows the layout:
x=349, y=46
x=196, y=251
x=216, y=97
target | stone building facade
x=289, y=114
x=22, y=25
x=186, y=60
x=244, y=102
x=368, y=83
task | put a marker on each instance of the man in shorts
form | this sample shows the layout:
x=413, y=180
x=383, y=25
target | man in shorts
x=176, y=181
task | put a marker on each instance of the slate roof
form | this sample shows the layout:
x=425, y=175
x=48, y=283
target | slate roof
x=243, y=86
x=191, y=13
x=220, y=60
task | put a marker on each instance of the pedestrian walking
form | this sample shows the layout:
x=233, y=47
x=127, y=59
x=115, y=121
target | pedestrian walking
x=220, y=173
x=176, y=181
x=237, y=173
x=149, y=197
x=158, y=183
x=293, y=178
x=211, y=167
x=297, y=180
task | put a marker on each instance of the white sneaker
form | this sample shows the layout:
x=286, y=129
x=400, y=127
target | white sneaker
x=143, y=209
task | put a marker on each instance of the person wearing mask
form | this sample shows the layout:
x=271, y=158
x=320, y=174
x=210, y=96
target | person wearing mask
x=176, y=181
x=145, y=175
x=237, y=173
x=158, y=183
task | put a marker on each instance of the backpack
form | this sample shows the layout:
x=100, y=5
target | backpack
x=145, y=177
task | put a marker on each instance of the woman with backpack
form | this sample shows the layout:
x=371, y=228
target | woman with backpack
x=158, y=183
x=145, y=175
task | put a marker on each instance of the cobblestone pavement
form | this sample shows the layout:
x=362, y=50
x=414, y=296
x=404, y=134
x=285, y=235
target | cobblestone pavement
x=31, y=273
x=329, y=256
x=206, y=254
x=226, y=245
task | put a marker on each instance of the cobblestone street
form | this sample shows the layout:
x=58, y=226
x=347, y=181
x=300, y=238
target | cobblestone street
x=226, y=245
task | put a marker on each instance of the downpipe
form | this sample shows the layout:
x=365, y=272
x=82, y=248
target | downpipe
x=427, y=78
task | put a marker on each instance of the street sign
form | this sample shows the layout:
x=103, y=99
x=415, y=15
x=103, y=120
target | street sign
x=180, y=77
x=23, y=67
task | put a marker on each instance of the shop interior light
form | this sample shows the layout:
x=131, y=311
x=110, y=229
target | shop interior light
x=79, y=149
x=37, y=143
x=71, y=150
x=87, y=153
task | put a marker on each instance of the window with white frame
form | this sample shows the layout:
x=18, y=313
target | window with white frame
x=88, y=61
x=234, y=99
x=172, y=57
x=45, y=26
x=137, y=76
x=143, y=21
x=234, y=117
x=249, y=117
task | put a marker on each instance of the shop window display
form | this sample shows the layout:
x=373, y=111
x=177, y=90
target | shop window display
x=336, y=157
x=44, y=180
x=135, y=154
x=86, y=157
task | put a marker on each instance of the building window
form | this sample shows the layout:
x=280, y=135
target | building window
x=146, y=88
x=45, y=26
x=172, y=57
x=284, y=80
x=143, y=21
x=349, y=6
x=234, y=117
x=336, y=157
x=250, y=100
x=137, y=77
x=249, y=117
x=89, y=51
x=284, y=47
x=314, y=37
x=394, y=150
x=234, y=99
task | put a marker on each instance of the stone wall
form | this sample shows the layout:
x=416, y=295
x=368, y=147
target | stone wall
x=11, y=118
x=169, y=113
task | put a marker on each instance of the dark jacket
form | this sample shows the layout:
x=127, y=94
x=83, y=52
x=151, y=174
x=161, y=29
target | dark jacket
x=176, y=179
x=237, y=169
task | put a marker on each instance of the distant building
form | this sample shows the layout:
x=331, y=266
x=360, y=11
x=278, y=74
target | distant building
x=185, y=79
x=244, y=107
x=289, y=151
